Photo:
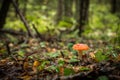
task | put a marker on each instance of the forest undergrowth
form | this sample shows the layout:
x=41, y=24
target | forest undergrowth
x=55, y=59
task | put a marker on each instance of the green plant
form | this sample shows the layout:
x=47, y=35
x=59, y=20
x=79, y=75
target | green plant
x=43, y=65
x=53, y=54
x=100, y=56
x=68, y=71
x=102, y=78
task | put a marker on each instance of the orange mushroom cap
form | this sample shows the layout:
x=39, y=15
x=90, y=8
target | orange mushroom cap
x=80, y=47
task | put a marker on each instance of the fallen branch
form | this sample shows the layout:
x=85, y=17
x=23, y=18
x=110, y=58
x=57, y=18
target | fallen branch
x=13, y=32
x=38, y=34
x=22, y=18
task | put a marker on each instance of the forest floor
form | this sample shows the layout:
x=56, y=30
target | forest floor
x=54, y=59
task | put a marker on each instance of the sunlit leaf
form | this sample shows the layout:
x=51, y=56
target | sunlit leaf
x=21, y=53
x=36, y=63
x=92, y=55
x=43, y=44
x=64, y=24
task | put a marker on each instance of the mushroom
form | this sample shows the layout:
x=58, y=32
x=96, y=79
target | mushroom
x=80, y=47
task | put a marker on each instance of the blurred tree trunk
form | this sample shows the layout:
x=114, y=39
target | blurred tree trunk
x=83, y=18
x=1, y=3
x=59, y=11
x=77, y=12
x=17, y=2
x=25, y=7
x=46, y=3
x=3, y=12
x=115, y=9
x=68, y=8
x=64, y=9
x=113, y=6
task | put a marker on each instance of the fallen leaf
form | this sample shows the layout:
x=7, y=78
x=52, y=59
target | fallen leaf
x=61, y=68
x=92, y=55
x=25, y=65
x=35, y=65
x=26, y=77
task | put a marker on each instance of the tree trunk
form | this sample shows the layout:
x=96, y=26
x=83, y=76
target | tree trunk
x=113, y=6
x=23, y=19
x=17, y=2
x=115, y=9
x=83, y=19
x=25, y=7
x=77, y=10
x=3, y=12
x=59, y=11
x=68, y=8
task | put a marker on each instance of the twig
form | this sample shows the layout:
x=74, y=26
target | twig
x=9, y=51
x=8, y=48
x=62, y=54
x=39, y=35
x=22, y=18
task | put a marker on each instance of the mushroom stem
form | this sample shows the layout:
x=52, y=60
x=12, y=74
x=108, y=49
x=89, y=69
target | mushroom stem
x=80, y=54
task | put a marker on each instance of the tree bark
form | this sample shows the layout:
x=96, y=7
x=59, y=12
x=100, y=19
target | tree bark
x=25, y=7
x=113, y=6
x=77, y=10
x=83, y=19
x=23, y=19
x=68, y=8
x=59, y=11
x=3, y=12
